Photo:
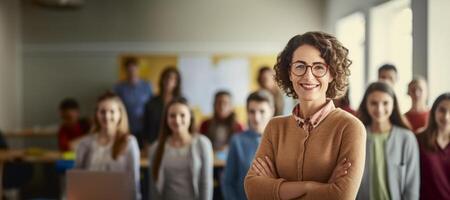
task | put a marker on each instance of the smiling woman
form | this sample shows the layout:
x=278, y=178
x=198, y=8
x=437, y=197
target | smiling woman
x=435, y=150
x=318, y=151
x=392, y=154
x=110, y=146
x=181, y=161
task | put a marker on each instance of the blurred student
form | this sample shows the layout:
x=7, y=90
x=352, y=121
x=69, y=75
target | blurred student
x=392, y=153
x=134, y=93
x=418, y=114
x=181, y=161
x=3, y=144
x=388, y=73
x=344, y=103
x=169, y=89
x=267, y=82
x=260, y=109
x=15, y=174
x=72, y=126
x=110, y=146
x=435, y=152
x=223, y=124
x=219, y=130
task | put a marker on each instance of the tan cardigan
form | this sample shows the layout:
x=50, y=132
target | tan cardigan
x=299, y=156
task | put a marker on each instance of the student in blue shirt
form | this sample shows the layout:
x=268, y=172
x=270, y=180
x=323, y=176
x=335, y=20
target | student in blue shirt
x=134, y=93
x=260, y=109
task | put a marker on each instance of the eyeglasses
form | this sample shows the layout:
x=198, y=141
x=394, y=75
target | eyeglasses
x=318, y=69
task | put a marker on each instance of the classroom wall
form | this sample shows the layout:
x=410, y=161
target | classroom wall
x=430, y=36
x=420, y=36
x=74, y=52
x=336, y=9
x=10, y=65
x=438, y=46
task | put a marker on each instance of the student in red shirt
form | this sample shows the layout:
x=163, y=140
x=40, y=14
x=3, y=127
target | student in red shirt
x=344, y=103
x=418, y=114
x=72, y=127
x=223, y=124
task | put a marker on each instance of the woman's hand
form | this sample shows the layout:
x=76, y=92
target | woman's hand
x=264, y=167
x=340, y=170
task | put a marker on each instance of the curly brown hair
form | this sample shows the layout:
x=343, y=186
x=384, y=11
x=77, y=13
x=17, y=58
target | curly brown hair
x=331, y=50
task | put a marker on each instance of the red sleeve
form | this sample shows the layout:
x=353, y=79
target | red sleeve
x=238, y=128
x=204, y=127
x=63, y=140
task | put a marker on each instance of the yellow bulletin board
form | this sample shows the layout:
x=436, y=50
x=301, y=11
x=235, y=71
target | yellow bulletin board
x=256, y=62
x=151, y=66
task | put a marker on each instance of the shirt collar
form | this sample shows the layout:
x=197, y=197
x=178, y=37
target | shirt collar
x=312, y=122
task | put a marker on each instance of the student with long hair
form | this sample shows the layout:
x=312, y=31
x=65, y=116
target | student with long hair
x=392, y=154
x=110, y=145
x=169, y=88
x=267, y=82
x=308, y=153
x=181, y=161
x=435, y=152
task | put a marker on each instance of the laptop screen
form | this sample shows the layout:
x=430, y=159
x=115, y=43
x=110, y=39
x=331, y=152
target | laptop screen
x=87, y=185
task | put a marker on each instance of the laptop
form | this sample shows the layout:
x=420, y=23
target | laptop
x=96, y=185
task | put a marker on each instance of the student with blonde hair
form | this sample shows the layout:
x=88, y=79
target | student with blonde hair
x=110, y=146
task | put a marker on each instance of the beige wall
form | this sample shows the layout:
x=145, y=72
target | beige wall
x=10, y=70
x=74, y=52
x=430, y=36
x=172, y=21
x=336, y=9
x=438, y=46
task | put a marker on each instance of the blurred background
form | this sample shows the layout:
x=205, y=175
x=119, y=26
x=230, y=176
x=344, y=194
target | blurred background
x=53, y=49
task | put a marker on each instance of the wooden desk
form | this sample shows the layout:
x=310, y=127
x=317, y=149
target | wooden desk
x=28, y=138
x=32, y=133
x=37, y=157
x=44, y=156
x=49, y=156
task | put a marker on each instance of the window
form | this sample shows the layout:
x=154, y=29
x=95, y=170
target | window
x=350, y=31
x=391, y=42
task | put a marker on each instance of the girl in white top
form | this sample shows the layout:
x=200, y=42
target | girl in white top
x=110, y=146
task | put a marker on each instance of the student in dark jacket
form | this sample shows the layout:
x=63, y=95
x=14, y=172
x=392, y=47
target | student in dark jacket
x=169, y=88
